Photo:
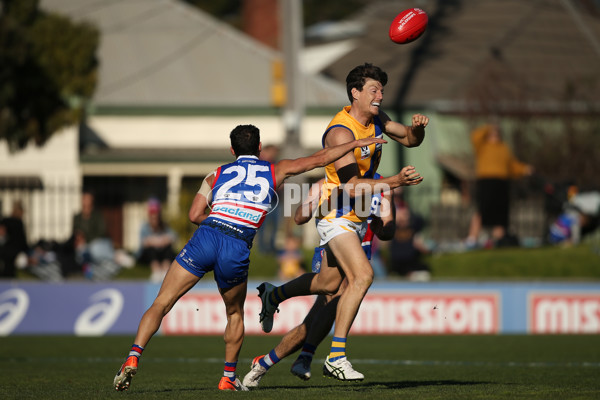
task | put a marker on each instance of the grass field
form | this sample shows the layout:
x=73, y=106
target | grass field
x=396, y=367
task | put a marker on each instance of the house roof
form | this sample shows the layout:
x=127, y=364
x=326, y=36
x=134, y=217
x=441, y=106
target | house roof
x=509, y=55
x=166, y=53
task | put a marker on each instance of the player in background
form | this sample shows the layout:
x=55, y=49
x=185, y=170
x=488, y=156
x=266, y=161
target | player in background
x=237, y=196
x=317, y=324
x=337, y=221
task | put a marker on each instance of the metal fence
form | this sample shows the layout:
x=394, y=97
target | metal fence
x=448, y=213
x=48, y=214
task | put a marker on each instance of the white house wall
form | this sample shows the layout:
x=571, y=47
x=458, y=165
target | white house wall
x=174, y=132
x=48, y=212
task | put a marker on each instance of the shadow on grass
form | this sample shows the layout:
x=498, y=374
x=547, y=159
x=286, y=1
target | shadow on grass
x=411, y=384
x=147, y=391
x=358, y=386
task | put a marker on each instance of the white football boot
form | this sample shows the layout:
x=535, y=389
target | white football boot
x=257, y=371
x=342, y=370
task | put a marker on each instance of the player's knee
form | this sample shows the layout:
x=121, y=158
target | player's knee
x=236, y=318
x=235, y=313
x=362, y=283
x=162, y=305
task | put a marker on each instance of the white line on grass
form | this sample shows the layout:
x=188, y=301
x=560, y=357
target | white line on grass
x=243, y=361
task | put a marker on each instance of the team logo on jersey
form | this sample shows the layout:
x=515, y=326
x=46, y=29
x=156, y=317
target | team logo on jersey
x=365, y=152
x=249, y=215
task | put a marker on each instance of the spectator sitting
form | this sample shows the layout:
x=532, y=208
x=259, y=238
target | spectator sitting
x=94, y=252
x=407, y=248
x=13, y=241
x=156, y=240
x=46, y=260
x=581, y=216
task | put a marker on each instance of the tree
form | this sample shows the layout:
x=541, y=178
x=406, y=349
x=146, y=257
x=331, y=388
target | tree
x=48, y=71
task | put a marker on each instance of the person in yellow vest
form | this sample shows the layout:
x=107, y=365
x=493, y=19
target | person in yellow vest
x=495, y=166
x=344, y=207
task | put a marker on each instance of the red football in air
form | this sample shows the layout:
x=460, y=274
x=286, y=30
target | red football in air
x=408, y=25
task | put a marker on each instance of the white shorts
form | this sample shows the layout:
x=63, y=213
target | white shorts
x=328, y=229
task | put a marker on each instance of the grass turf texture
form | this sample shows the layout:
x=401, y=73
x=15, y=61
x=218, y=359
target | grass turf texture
x=407, y=367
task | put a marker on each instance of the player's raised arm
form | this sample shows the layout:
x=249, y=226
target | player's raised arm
x=349, y=175
x=286, y=168
x=409, y=136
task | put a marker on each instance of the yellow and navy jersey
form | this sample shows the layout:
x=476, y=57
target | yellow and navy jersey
x=367, y=159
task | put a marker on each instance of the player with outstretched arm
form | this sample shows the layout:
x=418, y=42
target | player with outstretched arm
x=338, y=223
x=238, y=197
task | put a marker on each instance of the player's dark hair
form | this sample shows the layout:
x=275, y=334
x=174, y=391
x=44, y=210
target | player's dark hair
x=245, y=140
x=357, y=77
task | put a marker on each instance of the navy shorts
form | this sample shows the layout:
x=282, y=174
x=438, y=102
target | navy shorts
x=317, y=259
x=211, y=250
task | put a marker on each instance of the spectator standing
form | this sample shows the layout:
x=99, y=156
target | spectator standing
x=495, y=165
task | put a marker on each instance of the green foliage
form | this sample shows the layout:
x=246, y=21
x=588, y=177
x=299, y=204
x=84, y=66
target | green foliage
x=48, y=69
x=546, y=263
x=580, y=262
x=559, y=263
x=66, y=52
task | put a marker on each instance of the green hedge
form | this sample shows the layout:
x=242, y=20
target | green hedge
x=580, y=262
x=557, y=263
